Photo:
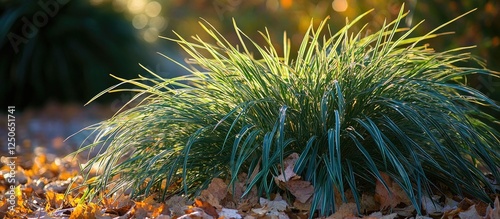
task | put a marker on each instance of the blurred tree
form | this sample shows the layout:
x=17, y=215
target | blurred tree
x=64, y=50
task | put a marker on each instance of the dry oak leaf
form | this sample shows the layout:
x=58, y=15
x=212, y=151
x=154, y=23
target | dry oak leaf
x=289, y=180
x=235, y=194
x=271, y=208
x=216, y=191
x=117, y=205
x=277, y=204
x=390, y=198
x=206, y=207
x=302, y=190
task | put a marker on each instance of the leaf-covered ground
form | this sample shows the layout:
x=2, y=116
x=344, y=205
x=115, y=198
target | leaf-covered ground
x=43, y=173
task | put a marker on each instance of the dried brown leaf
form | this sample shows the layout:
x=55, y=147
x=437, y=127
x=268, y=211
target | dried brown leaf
x=302, y=190
x=216, y=191
x=391, y=197
x=206, y=207
x=493, y=213
x=177, y=205
x=471, y=213
x=289, y=165
x=84, y=211
x=54, y=200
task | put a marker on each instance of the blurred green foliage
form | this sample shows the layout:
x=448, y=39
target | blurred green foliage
x=71, y=57
x=64, y=51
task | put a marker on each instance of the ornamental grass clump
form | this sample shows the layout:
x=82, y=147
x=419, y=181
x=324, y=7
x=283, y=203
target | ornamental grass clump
x=351, y=105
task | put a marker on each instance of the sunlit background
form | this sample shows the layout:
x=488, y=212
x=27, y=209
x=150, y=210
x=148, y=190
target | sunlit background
x=63, y=51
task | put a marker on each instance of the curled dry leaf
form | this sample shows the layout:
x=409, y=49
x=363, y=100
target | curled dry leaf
x=471, y=213
x=149, y=208
x=449, y=204
x=302, y=190
x=235, y=198
x=289, y=165
x=206, y=207
x=177, y=205
x=117, y=204
x=271, y=208
x=197, y=213
x=430, y=205
x=277, y=204
x=481, y=208
x=289, y=180
x=393, y=196
x=493, y=213
x=215, y=193
x=465, y=209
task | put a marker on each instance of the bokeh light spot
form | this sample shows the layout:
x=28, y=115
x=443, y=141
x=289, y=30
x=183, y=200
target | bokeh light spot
x=272, y=5
x=153, y=9
x=339, y=5
x=120, y=5
x=158, y=22
x=495, y=41
x=136, y=6
x=286, y=3
x=140, y=21
x=151, y=34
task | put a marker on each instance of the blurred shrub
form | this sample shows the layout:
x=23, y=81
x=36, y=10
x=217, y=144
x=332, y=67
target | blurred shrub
x=63, y=50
